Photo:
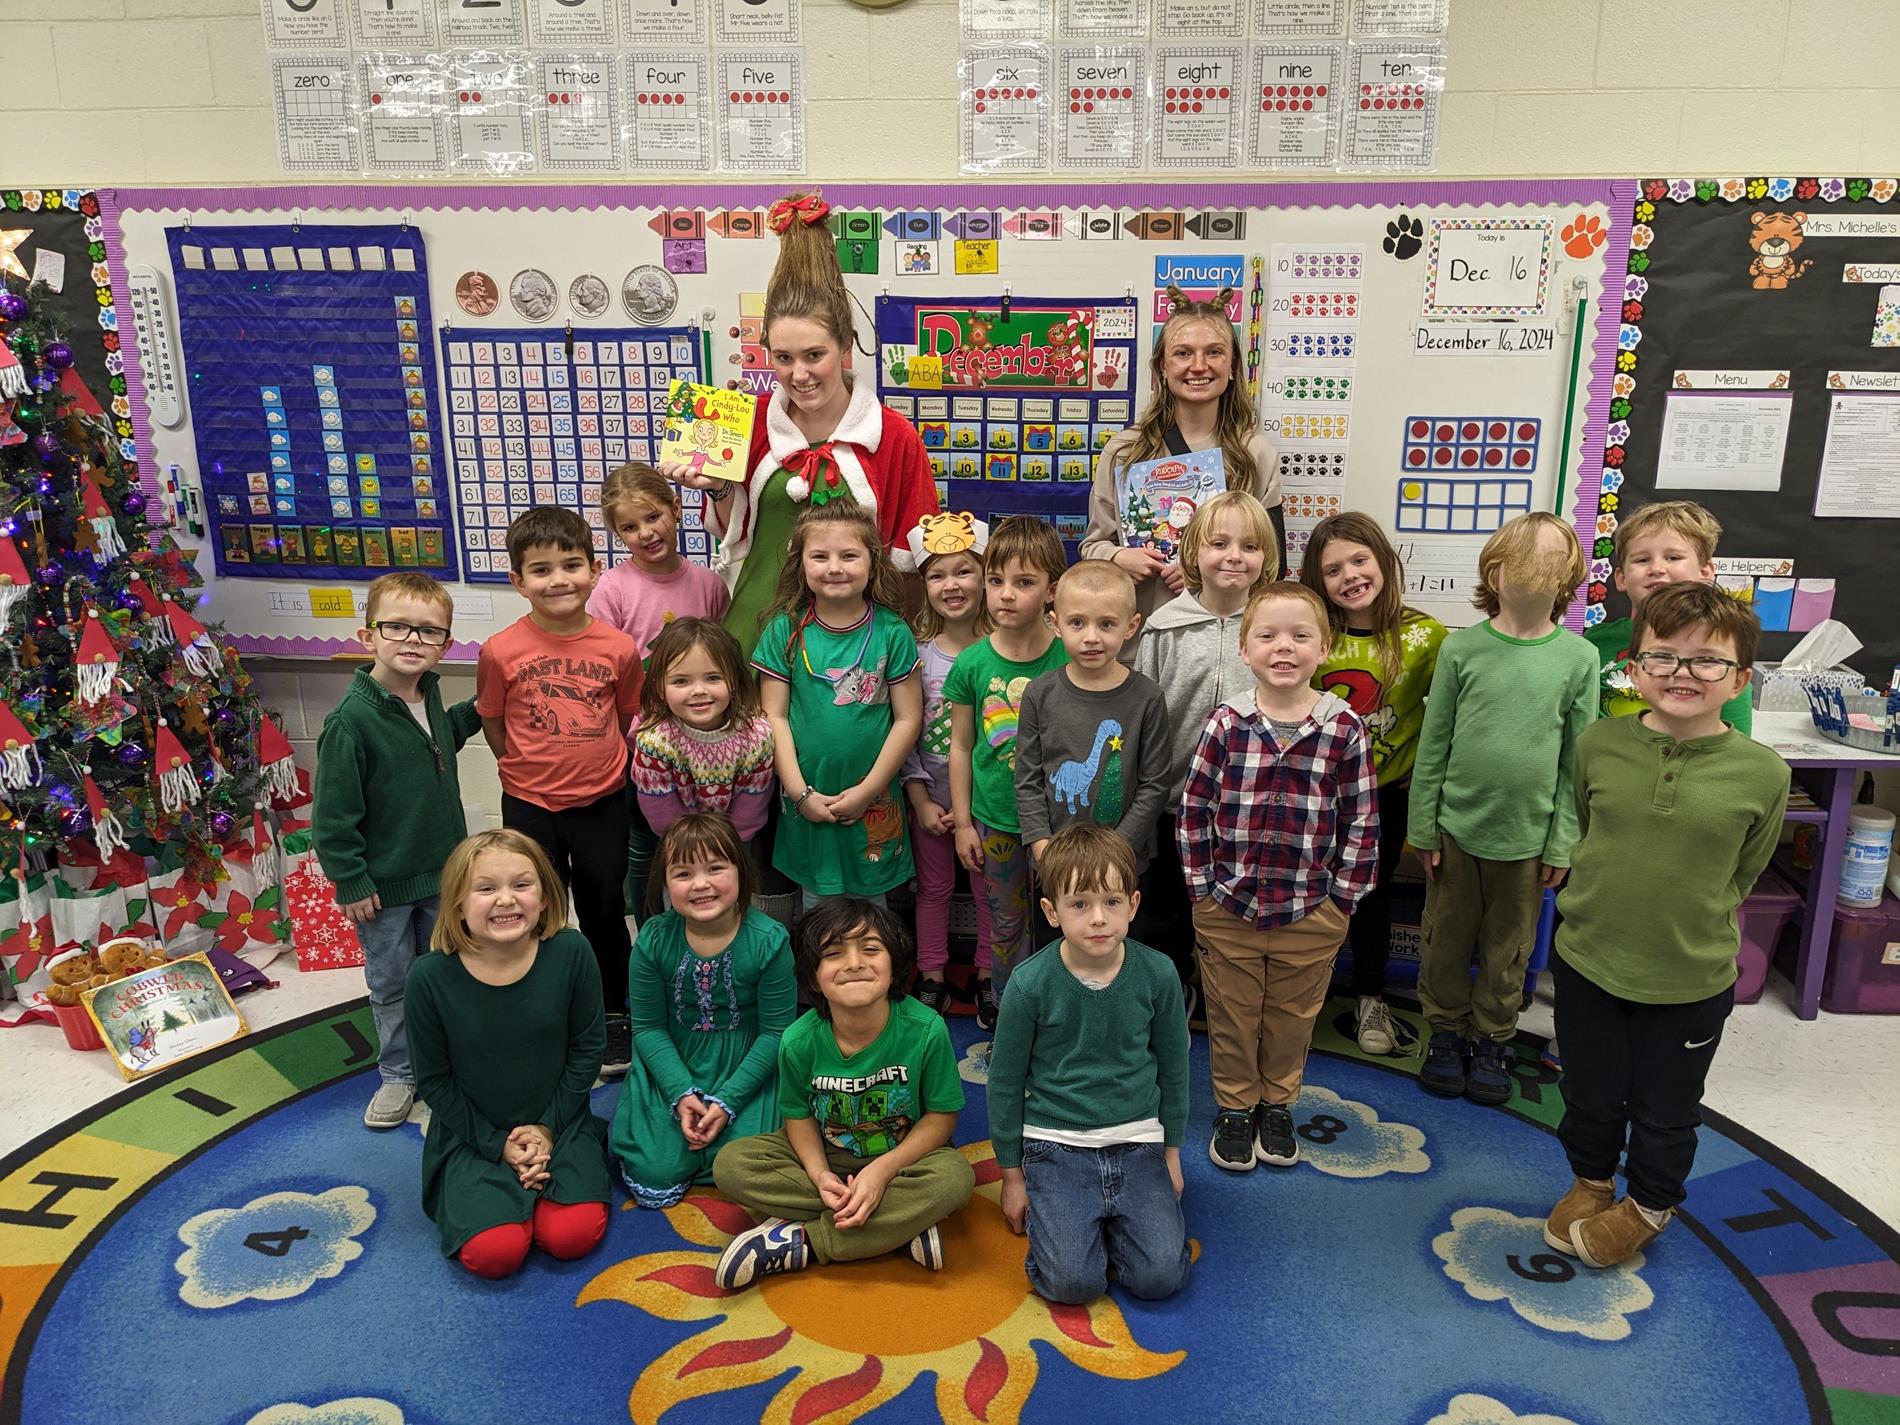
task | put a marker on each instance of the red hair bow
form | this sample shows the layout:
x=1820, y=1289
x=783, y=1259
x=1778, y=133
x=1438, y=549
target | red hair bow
x=809, y=208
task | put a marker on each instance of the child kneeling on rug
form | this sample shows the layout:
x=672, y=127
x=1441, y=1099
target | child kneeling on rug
x=506, y=1031
x=868, y=1085
x=1088, y=1086
x=710, y=992
x=1679, y=814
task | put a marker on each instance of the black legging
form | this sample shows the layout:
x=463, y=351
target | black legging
x=1370, y=933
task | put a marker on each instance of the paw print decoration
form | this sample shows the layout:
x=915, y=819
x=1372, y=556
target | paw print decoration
x=1404, y=236
x=1583, y=235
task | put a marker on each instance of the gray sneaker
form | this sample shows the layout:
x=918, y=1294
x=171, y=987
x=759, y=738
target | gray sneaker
x=390, y=1108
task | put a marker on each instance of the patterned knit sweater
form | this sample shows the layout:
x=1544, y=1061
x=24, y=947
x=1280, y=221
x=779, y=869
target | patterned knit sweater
x=677, y=769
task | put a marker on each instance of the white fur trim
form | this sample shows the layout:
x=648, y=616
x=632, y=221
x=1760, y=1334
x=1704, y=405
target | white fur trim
x=862, y=424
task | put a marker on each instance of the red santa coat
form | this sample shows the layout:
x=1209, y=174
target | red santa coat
x=880, y=459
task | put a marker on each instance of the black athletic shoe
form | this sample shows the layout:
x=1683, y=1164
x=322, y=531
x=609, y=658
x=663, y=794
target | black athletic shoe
x=1444, y=1069
x=932, y=994
x=985, y=1005
x=1232, y=1147
x=1488, y=1080
x=619, y=1047
x=1274, y=1143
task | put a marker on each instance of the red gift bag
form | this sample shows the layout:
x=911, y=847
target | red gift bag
x=324, y=940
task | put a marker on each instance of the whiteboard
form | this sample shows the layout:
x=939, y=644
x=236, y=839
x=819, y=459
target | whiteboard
x=1109, y=243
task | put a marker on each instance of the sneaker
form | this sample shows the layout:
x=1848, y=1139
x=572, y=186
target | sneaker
x=772, y=1248
x=1551, y=1056
x=619, y=1054
x=1372, y=1025
x=1232, y=1147
x=390, y=1108
x=1488, y=1080
x=926, y=1249
x=1615, y=1235
x=1273, y=1130
x=1444, y=1069
x=932, y=994
x=985, y=1005
x=1585, y=1199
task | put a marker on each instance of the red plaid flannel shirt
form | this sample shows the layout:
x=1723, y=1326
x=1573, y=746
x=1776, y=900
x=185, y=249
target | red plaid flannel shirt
x=1269, y=831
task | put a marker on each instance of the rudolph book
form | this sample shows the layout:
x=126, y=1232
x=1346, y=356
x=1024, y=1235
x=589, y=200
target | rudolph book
x=1157, y=498
x=709, y=429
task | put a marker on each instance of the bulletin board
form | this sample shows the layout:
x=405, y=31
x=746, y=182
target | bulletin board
x=1397, y=367
x=1756, y=315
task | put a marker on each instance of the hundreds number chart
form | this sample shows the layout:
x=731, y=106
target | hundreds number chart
x=537, y=418
x=1313, y=301
x=313, y=399
x=1014, y=397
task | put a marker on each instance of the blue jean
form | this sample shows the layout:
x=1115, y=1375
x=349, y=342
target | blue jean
x=392, y=940
x=1091, y=1209
x=641, y=846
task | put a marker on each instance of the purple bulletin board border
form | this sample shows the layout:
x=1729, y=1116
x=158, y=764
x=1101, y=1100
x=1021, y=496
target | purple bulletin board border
x=333, y=200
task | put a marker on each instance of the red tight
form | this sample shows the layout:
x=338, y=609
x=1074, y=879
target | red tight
x=561, y=1229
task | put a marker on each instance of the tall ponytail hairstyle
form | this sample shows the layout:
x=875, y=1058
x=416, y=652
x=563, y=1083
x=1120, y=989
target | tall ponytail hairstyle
x=807, y=283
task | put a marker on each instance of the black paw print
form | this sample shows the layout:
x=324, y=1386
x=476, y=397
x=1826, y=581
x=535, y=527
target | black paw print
x=1404, y=237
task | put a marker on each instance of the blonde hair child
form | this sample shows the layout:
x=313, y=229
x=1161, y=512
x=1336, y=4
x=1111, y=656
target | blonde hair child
x=837, y=661
x=507, y=1030
x=1382, y=660
x=949, y=551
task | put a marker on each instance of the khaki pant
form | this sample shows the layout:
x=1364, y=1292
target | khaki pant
x=1489, y=906
x=1263, y=990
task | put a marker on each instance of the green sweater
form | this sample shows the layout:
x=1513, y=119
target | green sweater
x=389, y=802
x=1616, y=692
x=1494, y=757
x=1674, y=835
x=1075, y=1059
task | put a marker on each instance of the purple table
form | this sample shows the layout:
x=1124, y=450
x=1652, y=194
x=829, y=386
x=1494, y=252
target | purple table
x=1792, y=734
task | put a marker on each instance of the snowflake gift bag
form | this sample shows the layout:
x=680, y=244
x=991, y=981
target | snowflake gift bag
x=324, y=940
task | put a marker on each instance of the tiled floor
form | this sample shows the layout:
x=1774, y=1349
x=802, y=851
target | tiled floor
x=1827, y=1093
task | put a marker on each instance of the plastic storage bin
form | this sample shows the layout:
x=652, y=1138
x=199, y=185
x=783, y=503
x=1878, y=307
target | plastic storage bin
x=1863, y=963
x=1762, y=917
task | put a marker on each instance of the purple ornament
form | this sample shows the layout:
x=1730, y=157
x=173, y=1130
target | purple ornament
x=12, y=306
x=132, y=754
x=221, y=824
x=133, y=503
x=46, y=443
x=51, y=574
x=75, y=821
x=59, y=356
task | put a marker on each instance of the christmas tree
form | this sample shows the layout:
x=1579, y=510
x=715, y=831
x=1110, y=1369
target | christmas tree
x=1109, y=792
x=125, y=726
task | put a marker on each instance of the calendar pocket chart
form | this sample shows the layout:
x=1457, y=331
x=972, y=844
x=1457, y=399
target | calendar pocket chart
x=539, y=418
x=312, y=389
x=1026, y=393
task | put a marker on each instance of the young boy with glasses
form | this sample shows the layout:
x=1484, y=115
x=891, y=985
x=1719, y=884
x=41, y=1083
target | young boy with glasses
x=1678, y=813
x=389, y=805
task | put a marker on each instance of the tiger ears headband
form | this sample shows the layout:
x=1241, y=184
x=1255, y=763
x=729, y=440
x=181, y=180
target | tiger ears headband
x=1179, y=302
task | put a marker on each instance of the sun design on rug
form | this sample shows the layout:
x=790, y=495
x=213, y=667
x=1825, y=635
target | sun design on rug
x=859, y=1335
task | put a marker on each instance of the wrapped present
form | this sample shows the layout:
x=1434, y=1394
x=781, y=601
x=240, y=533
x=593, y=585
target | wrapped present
x=27, y=948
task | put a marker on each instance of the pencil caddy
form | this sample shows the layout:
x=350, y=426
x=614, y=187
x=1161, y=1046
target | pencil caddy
x=1869, y=722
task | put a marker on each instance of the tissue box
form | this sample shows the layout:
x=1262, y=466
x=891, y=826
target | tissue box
x=1776, y=691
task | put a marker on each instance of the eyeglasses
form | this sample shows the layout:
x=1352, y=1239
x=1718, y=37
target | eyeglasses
x=428, y=635
x=1703, y=670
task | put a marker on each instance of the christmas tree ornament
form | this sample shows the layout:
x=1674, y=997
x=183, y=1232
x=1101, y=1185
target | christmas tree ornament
x=14, y=584
x=276, y=763
x=93, y=507
x=10, y=433
x=263, y=848
x=19, y=753
x=46, y=443
x=132, y=755
x=194, y=643
x=177, y=781
x=133, y=503
x=98, y=662
x=108, y=832
x=10, y=240
x=13, y=380
x=221, y=824
x=59, y=356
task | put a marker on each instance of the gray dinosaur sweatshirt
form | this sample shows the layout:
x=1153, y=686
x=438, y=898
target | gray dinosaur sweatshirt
x=1092, y=756
x=1195, y=655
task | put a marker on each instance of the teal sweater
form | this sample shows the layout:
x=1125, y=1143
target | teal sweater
x=1674, y=835
x=1493, y=770
x=1072, y=1058
x=389, y=802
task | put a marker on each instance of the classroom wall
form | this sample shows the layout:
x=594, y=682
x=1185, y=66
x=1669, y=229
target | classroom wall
x=173, y=91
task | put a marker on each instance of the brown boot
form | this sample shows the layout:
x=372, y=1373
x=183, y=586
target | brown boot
x=1615, y=1235
x=1585, y=1199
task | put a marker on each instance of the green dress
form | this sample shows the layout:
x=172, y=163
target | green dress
x=840, y=683
x=489, y=1058
x=771, y=535
x=701, y=1024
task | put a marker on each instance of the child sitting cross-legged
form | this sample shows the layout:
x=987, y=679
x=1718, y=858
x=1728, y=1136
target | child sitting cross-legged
x=711, y=992
x=869, y=1091
x=1088, y=1086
